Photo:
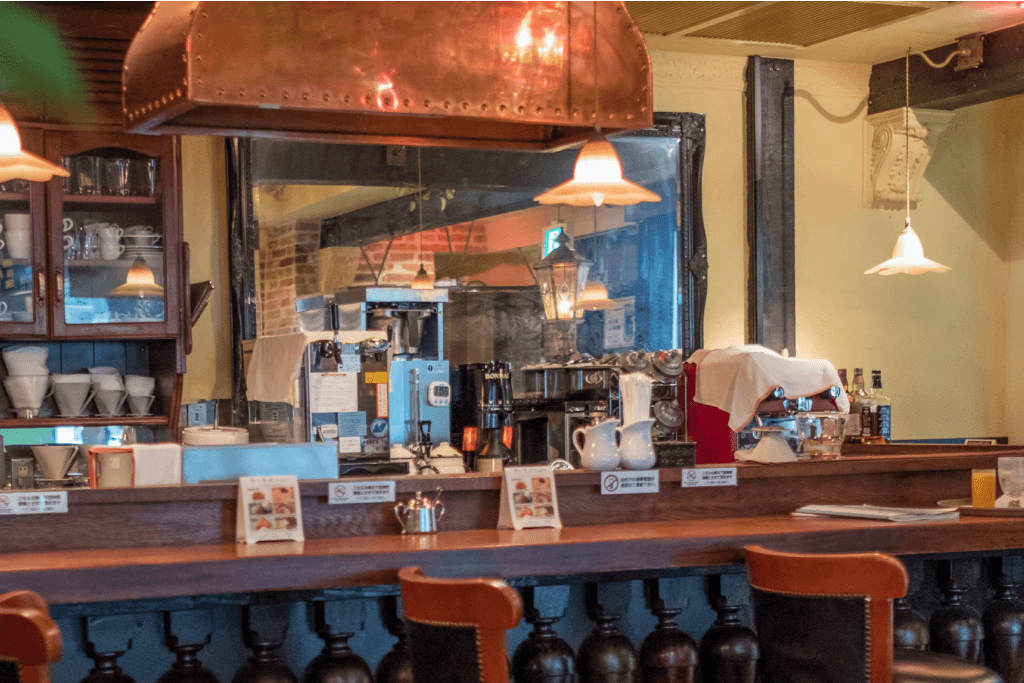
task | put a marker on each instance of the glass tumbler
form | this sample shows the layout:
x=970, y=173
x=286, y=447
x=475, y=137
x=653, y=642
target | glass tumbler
x=85, y=171
x=1011, y=480
x=115, y=177
x=145, y=177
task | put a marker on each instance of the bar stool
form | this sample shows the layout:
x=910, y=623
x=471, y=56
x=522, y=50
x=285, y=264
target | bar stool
x=829, y=618
x=456, y=627
x=29, y=639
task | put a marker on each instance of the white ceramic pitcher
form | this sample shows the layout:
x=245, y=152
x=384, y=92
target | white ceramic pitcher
x=598, y=452
x=635, y=447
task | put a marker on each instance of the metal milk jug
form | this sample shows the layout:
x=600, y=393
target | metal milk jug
x=420, y=515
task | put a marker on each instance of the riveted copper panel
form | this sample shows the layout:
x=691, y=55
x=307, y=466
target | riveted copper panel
x=478, y=74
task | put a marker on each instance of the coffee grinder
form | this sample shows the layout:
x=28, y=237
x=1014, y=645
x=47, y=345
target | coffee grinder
x=482, y=412
x=419, y=396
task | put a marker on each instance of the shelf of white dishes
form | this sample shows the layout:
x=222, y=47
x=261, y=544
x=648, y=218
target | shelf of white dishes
x=117, y=263
x=13, y=196
x=108, y=199
x=96, y=421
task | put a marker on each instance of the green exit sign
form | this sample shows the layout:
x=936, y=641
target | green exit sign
x=550, y=235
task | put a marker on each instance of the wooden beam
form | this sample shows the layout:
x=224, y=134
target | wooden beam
x=998, y=77
x=771, y=300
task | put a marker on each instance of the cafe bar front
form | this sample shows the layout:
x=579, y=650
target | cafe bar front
x=545, y=342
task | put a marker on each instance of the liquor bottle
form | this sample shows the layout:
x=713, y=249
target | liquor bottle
x=883, y=413
x=860, y=408
x=842, y=380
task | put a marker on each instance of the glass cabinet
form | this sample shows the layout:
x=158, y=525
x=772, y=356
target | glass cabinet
x=115, y=247
x=23, y=278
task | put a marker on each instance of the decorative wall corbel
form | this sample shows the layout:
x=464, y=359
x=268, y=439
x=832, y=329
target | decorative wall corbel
x=884, y=150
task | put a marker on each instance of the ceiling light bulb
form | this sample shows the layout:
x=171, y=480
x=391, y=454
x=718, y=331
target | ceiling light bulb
x=17, y=164
x=597, y=179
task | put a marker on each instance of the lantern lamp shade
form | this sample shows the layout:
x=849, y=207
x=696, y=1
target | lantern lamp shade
x=597, y=179
x=16, y=163
x=562, y=277
x=422, y=279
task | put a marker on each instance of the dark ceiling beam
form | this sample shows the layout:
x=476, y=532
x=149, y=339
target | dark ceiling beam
x=999, y=76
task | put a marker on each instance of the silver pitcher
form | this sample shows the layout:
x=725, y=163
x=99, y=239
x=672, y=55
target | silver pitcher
x=420, y=515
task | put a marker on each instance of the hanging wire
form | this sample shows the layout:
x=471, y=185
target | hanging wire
x=906, y=126
x=419, y=182
x=597, y=85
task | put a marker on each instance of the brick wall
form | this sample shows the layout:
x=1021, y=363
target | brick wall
x=404, y=258
x=288, y=271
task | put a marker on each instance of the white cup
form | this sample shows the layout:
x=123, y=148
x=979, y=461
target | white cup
x=19, y=234
x=69, y=225
x=3, y=307
x=110, y=232
x=139, y=230
x=110, y=249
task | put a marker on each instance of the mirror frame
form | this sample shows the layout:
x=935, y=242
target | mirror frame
x=688, y=128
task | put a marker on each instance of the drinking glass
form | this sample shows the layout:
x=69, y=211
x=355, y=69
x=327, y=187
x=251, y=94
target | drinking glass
x=145, y=177
x=86, y=174
x=1011, y=480
x=115, y=177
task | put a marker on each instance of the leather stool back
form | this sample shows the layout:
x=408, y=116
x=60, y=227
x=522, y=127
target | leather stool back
x=29, y=639
x=456, y=627
x=828, y=619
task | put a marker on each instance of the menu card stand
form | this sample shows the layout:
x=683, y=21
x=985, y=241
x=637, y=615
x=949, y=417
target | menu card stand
x=269, y=509
x=528, y=498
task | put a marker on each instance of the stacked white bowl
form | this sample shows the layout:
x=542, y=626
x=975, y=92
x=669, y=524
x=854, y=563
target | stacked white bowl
x=28, y=381
x=141, y=392
x=110, y=391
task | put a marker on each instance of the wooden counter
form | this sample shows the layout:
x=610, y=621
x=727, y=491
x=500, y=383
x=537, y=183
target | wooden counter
x=205, y=514
x=152, y=573
x=166, y=542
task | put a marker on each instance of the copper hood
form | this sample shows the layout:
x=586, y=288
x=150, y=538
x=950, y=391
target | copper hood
x=494, y=75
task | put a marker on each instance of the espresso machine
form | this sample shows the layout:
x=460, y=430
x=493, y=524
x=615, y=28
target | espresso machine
x=417, y=404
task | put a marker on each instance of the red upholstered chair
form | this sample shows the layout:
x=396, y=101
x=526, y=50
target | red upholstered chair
x=456, y=627
x=828, y=619
x=29, y=639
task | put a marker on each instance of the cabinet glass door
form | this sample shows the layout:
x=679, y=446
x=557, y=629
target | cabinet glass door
x=112, y=239
x=22, y=252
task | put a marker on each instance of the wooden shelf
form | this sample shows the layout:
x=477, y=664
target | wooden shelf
x=13, y=196
x=120, y=420
x=124, y=264
x=108, y=199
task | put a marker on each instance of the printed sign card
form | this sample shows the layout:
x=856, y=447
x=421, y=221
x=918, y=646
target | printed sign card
x=528, y=498
x=269, y=509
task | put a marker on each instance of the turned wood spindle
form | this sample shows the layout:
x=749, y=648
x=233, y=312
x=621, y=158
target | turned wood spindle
x=1004, y=623
x=106, y=639
x=729, y=650
x=909, y=627
x=396, y=665
x=337, y=663
x=667, y=655
x=607, y=656
x=185, y=634
x=955, y=627
x=544, y=657
x=264, y=629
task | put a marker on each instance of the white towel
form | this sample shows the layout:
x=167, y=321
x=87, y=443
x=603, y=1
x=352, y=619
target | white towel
x=738, y=378
x=157, y=464
x=770, y=448
x=274, y=369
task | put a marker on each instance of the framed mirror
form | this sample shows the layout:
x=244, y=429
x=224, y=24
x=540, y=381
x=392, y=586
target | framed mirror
x=310, y=219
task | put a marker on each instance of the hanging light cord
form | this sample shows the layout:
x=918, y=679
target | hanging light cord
x=597, y=84
x=419, y=182
x=906, y=125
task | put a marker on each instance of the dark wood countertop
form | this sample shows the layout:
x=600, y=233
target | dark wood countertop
x=167, y=542
x=174, y=571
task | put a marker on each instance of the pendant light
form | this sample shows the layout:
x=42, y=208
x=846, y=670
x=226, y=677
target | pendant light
x=908, y=254
x=422, y=279
x=139, y=283
x=597, y=176
x=595, y=294
x=16, y=163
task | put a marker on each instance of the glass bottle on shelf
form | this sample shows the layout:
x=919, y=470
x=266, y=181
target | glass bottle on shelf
x=883, y=412
x=112, y=240
x=861, y=408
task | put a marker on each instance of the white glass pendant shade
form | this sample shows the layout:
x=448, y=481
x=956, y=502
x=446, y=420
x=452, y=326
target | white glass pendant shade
x=562, y=277
x=597, y=179
x=422, y=279
x=16, y=163
x=595, y=298
x=139, y=283
x=907, y=257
